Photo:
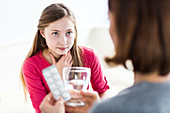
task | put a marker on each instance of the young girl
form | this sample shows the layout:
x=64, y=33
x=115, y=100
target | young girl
x=56, y=43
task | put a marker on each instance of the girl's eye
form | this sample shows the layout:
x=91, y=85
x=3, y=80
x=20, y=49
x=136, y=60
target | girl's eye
x=55, y=33
x=69, y=33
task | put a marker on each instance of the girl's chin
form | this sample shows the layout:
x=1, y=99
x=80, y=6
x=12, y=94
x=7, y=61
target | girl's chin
x=59, y=52
x=62, y=53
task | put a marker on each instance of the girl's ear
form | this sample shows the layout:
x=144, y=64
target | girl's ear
x=42, y=33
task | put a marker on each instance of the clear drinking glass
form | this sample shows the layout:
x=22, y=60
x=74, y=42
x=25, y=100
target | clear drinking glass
x=76, y=78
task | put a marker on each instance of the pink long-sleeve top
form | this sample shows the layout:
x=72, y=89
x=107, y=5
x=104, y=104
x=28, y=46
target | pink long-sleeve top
x=37, y=86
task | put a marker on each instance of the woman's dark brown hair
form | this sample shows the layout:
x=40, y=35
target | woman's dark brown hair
x=50, y=14
x=143, y=34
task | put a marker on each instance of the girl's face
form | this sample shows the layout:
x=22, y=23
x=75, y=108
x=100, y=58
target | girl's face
x=59, y=36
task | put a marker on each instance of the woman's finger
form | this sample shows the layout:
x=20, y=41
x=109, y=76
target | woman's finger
x=48, y=97
x=89, y=93
x=60, y=101
x=52, y=100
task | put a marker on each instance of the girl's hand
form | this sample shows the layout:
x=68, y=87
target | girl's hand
x=65, y=61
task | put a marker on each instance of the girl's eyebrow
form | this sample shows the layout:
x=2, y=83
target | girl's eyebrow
x=55, y=30
x=60, y=31
x=69, y=29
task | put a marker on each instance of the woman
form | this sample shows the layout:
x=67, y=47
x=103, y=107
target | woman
x=140, y=30
x=56, y=43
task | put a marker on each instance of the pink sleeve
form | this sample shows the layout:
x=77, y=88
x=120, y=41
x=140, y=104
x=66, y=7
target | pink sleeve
x=98, y=80
x=34, y=84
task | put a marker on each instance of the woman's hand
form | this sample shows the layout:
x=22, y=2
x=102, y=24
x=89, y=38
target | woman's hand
x=65, y=61
x=89, y=97
x=49, y=105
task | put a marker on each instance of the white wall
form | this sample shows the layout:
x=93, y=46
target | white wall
x=19, y=18
x=18, y=21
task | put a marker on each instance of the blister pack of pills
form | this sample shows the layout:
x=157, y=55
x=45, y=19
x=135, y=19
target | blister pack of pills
x=55, y=83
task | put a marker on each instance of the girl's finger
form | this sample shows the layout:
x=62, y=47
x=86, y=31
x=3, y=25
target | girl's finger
x=69, y=53
x=52, y=59
x=68, y=61
x=63, y=58
x=68, y=58
x=71, y=63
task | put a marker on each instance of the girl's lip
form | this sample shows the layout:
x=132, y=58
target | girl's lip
x=62, y=48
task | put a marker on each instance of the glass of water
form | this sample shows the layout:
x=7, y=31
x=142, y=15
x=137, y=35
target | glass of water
x=76, y=79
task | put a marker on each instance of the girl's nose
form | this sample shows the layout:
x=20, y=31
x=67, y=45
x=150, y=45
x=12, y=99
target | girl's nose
x=63, y=40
